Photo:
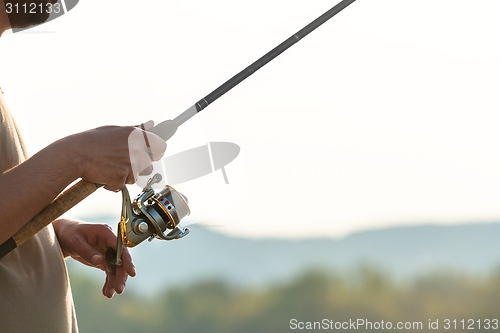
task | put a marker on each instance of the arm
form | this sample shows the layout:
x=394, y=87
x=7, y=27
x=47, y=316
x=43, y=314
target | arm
x=106, y=155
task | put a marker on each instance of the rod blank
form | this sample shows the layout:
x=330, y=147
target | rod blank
x=235, y=80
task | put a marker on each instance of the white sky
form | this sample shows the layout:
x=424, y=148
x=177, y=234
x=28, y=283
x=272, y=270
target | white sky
x=386, y=115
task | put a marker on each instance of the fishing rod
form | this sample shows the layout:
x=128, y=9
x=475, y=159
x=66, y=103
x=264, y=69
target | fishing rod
x=154, y=214
x=167, y=128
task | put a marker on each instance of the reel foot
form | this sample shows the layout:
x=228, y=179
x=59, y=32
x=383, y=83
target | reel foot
x=111, y=260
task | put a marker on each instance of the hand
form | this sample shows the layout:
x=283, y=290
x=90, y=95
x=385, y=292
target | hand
x=88, y=244
x=115, y=155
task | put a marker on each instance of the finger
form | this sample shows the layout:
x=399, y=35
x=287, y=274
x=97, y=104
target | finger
x=87, y=254
x=128, y=263
x=123, y=272
x=86, y=263
x=144, y=127
x=118, y=180
x=132, y=178
x=113, y=188
x=146, y=171
x=120, y=280
x=98, y=237
x=107, y=289
x=143, y=164
x=116, y=282
x=117, y=185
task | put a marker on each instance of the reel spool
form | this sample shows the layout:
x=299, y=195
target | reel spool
x=150, y=215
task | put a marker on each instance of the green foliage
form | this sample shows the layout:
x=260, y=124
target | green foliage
x=213, y=306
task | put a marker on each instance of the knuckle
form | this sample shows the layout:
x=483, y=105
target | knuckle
x=105, y=226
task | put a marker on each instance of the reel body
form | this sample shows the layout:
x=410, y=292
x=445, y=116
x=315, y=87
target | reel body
x=150, y=215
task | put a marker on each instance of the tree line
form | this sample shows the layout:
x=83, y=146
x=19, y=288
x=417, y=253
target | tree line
x=367, y=300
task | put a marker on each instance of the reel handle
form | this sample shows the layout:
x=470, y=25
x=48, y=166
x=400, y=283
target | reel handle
x=60, y=205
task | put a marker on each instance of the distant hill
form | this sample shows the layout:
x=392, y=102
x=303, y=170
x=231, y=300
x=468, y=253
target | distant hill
x=403, y=252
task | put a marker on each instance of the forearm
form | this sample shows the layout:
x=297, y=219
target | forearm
x=28, y=188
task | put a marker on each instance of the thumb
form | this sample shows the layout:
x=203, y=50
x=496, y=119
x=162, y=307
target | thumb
x=96, y=259
x=91, y=255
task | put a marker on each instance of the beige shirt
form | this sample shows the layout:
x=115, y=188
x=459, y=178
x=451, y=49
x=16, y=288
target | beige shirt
x=35, y=294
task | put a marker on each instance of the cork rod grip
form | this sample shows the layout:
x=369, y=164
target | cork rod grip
x=64, y=202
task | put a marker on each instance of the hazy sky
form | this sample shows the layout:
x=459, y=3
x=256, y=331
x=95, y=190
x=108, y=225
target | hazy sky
x=386, y=115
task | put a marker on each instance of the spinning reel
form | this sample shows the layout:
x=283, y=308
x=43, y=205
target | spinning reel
x=150, y=215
